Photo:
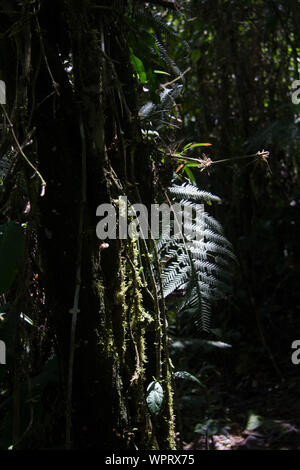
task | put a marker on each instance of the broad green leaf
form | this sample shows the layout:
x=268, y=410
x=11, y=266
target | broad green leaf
x=254, y=421
x=11, y=253
x=195, y=55
x=187, y=376
x=190, y=174
x=139, y=68
x=211, y=427
x=154, y=398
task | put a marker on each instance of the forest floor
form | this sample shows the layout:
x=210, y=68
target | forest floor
x=264, y=419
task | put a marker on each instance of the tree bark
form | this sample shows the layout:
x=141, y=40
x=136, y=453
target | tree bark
x=90, y=151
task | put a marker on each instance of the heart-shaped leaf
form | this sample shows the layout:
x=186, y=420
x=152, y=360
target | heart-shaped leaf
x=154, y=398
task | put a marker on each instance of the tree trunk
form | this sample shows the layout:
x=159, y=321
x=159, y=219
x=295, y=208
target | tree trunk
x=89, y=150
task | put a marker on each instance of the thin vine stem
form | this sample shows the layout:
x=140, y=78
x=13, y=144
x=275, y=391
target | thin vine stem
x=20, y=149
x=75, y=310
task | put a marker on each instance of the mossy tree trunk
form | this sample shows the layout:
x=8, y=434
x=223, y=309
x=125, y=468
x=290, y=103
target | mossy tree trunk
x=88, y=147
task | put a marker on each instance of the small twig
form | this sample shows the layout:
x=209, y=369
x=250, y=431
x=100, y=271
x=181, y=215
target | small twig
x=23, y=154
x=54, y=83
x=109, y=59
x=163, y=85
x=31, y=415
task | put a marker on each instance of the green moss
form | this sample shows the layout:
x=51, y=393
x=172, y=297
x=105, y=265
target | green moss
x=170, y=412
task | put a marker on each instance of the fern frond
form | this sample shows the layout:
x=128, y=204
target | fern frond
x=200, y=266
x=166, y=58
x=192, y=193
x=156, y=111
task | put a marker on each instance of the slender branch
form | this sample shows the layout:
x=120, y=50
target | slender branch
x=54, y=83
x=213, y=162
x=164, y=85
x=77, y=290
x=31, y=414
x=23, y=154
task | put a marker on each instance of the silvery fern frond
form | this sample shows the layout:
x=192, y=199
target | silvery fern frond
x=200, y=268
